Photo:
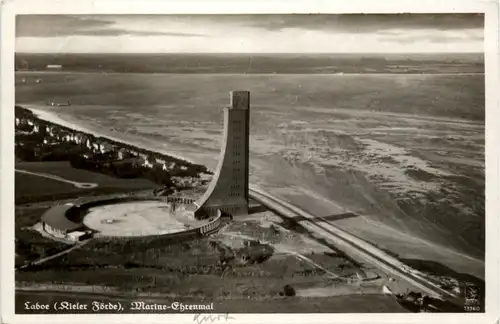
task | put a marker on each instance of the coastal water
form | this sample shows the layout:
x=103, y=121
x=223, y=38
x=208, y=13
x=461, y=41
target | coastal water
x=403, y=154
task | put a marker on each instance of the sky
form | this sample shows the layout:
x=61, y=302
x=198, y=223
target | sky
x=355, y=33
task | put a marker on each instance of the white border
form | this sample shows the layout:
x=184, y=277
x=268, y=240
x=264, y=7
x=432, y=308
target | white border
x=7, y=38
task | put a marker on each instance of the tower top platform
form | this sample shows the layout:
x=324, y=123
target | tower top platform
x=240, y=100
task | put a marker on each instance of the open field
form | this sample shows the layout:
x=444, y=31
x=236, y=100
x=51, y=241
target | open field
x=28, y=185
x=31, y=187
x=64, y=170
x=404, y=153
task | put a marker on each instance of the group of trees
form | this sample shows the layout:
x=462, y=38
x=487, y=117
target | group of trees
x=125, y=169
x=32, y=152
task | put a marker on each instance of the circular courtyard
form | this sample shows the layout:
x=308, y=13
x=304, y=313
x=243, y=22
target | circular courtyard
x=139, y=218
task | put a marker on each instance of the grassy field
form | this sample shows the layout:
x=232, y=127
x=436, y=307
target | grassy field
x=64, y=170
x=27, y=185
x=30, y=188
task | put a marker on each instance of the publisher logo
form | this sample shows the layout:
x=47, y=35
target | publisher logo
x=472, y=295
x=473, y=298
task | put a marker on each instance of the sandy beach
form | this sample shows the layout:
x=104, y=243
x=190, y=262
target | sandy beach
x=54, y=117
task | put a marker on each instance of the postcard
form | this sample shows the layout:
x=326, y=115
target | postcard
x=246, y=162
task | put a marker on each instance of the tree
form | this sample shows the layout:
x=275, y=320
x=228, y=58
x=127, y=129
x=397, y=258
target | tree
x=289, y=291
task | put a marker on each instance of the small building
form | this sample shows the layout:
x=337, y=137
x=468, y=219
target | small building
x=205, y=176
x=147, y=163
x=124, y=154
x=121, y=154
x=77, y=236
x=190, y=210
x=386, y=290
x=105, y=147
x=62, y=135
x=80, y=138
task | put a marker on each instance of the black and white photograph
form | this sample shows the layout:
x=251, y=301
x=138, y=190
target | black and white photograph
x=249, y=163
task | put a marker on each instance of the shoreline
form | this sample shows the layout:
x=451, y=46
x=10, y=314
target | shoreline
x=56, y=118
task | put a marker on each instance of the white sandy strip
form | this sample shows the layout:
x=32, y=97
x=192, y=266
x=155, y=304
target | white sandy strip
x=53, y=117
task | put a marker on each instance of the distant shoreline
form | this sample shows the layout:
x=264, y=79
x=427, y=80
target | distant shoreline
x=258, y=63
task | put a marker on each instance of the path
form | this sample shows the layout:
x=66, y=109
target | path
x=81, y=185
x=56, y=255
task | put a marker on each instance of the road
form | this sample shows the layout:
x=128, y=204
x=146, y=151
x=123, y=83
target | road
x=56, y=255
x=354, y=246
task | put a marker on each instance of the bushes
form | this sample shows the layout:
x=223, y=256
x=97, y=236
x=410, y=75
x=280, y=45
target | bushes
x=289, y=291
x=78, y=162
x=158, y=176
x=125, y=170
x=25, y=154
x=60, y=153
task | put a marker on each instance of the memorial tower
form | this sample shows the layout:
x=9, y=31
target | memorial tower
x=228, y=190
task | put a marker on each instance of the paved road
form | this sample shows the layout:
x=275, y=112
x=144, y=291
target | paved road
x=355, y=247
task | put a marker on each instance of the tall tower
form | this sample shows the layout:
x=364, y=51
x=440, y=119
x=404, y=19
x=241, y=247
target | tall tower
x=228, y=190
